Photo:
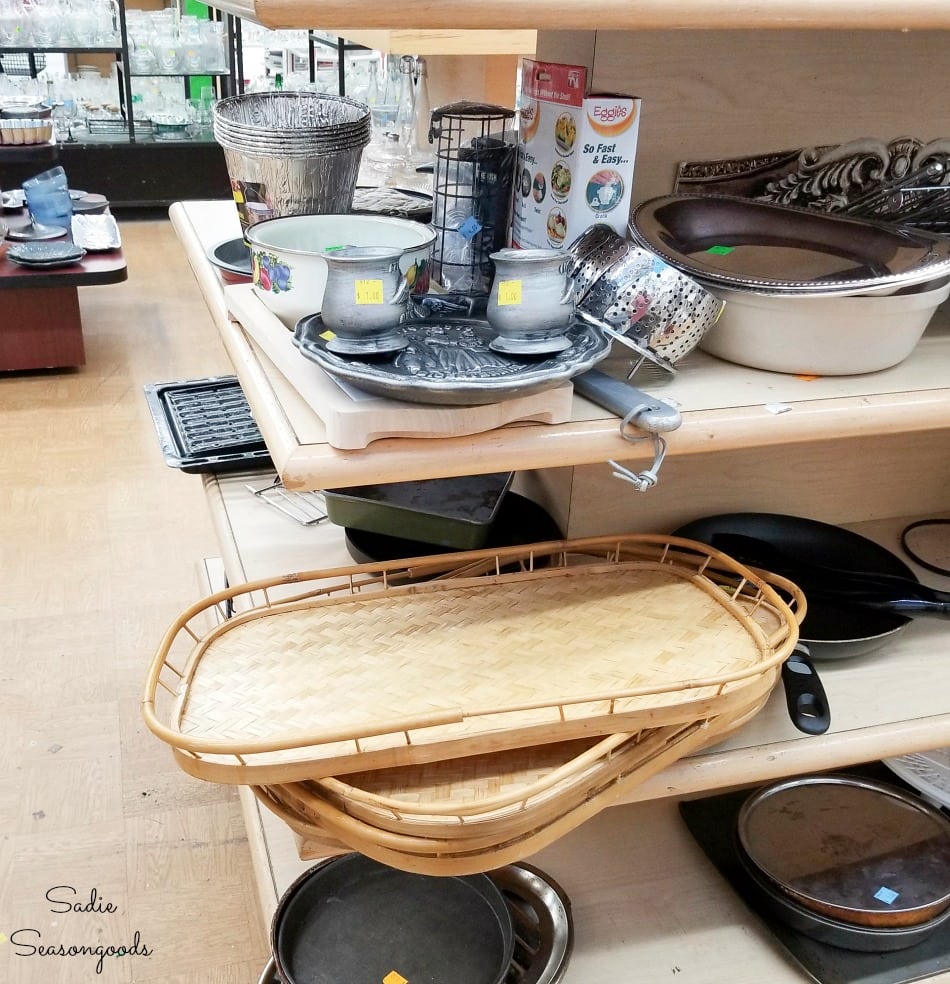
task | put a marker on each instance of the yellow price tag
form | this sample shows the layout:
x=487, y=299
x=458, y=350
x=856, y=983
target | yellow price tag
x=509, y=292
x=394, y=977
x=369, y=292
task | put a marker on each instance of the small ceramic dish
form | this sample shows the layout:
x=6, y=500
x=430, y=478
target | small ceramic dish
x=45, y=254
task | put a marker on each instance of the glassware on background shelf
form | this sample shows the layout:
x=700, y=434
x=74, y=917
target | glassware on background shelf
x=45, y=22
x=373, y=95
x=15, y=29
x=391, y=81
x=166, y=46
x=107, y=22
x=83, y=23
x=420, y=148
x=213, y=46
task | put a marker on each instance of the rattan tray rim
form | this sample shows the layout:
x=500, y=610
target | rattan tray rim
x=327, y=587
x=429, y=856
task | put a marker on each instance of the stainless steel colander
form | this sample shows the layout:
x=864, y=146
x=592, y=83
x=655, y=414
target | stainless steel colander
x=661, y=312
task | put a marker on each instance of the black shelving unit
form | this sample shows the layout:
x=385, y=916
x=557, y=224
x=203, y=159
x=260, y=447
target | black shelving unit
x=131, y=169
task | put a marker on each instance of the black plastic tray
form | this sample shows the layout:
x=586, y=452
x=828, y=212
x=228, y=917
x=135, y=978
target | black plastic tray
x=206, y=425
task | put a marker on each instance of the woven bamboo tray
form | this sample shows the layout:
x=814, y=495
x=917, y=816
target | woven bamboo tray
x=351, y=669
x=316, y=821
x=497, y=796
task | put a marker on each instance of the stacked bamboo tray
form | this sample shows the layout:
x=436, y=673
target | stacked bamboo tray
x=455, y=713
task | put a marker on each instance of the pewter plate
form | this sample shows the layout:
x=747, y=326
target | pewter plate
x=760, y=246
x=449, y=361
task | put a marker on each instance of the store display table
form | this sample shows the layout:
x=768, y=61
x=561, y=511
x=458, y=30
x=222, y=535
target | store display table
x=42, y=322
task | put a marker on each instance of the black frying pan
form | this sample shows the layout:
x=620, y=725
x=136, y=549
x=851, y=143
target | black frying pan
x=834, y=626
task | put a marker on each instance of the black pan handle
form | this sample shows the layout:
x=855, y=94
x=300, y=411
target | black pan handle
x=804, y=693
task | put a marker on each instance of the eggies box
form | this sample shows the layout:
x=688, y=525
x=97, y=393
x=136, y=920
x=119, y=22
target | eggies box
x=576, y=157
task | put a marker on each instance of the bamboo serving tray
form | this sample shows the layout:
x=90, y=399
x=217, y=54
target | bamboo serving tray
x=351, y=669
x=503, y=839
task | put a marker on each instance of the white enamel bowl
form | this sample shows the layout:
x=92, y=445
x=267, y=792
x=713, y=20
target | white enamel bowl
x=289, y=273
x=822, y=336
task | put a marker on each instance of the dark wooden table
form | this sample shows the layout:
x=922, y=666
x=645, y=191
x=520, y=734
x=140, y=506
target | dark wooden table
x=40, y=317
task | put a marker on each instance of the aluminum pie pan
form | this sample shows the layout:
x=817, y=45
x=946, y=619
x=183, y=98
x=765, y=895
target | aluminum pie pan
x=448, y=361
x=782, y=249
x=299, y=112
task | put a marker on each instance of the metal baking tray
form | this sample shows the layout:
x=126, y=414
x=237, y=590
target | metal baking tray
x=448, y=512
x=206, y=425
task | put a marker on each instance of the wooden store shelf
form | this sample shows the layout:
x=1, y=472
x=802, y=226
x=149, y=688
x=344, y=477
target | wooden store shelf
x=884, y=704
x=724, y=407
x=442, y=42
x=461, y=15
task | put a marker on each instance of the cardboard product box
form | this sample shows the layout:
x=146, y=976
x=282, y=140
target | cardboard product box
x=576, y=157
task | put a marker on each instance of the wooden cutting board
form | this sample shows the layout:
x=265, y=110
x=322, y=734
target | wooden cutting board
x=353, y=418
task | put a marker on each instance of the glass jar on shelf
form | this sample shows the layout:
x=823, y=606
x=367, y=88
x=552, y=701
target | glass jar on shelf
x=46, y=21
x=15, y=29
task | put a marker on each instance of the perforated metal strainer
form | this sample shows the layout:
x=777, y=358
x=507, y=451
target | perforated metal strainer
x=660, y=312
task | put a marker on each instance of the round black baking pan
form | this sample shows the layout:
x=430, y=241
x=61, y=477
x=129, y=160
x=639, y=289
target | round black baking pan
x=352, y=919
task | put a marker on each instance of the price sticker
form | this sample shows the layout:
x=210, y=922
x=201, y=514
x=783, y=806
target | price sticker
x=369, y=291
x=509, y=292
x=470, y=228
x=720, y=250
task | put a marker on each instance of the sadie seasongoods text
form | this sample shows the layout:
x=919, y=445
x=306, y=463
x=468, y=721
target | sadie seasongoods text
x=64, y=900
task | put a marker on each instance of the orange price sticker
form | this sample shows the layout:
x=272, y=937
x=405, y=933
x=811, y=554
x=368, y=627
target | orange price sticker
x=509, y=292
x=369, y=292
x=394, y=977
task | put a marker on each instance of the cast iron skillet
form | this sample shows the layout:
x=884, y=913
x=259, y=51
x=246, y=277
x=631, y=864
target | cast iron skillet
x=831, y=629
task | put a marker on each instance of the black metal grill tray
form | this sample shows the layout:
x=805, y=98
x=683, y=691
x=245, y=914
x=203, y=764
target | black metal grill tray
x=206, y=425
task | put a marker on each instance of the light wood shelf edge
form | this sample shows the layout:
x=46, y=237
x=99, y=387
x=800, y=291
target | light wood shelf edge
x=461, y=15
x=589, y=441
x=402, y=41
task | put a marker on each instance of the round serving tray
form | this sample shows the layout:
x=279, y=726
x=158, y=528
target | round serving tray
x=779, y=249
x=449, y=361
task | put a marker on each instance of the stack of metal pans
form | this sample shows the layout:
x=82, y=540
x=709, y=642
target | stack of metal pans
x=300, y=151
x=847, y=860
x=805, y=291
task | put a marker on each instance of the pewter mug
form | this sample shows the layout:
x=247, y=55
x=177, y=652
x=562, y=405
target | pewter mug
x=531, y=304
x=364, y=300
